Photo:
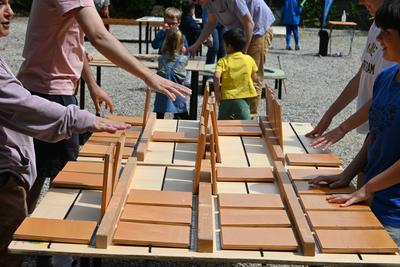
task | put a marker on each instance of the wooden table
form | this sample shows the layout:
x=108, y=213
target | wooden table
x=333, y=24
x=150, y=61
x=84, y=204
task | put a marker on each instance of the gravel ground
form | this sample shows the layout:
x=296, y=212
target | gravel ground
x=313, y=83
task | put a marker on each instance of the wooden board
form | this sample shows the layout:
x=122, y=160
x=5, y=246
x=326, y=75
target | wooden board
x=254, y=218
x=157, y=214
x=179, y=179
x=256, y=201
x=318, y=202
x=127, y=119
x=322, y=160
x=162, y=198
x=84, y=166
x=356, y=241
x=180, y=137
x=257, y=151
x=98, y=150
x=239, y=131
x=144, y=234
x=303, y=187
x=81, y=180
x=67, y=231
x=205, y=219
x=117, y=134
x=232, y=174
x=306, y=174
x=232, y=153
x=248, y=238
x=237, y=123
x=343, y=220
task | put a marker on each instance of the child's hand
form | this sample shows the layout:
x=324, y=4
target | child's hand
x=209, y=41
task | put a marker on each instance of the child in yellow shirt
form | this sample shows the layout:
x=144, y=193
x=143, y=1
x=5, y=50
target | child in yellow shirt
x=235, y=73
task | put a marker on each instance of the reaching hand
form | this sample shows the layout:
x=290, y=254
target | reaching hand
x=192, y=50
x=334, y=181
x=99, y=96
x=329, y=138
x=105, y=12
x=104, y=125
x=167, y=87
x=350, y=199
x=322, y=125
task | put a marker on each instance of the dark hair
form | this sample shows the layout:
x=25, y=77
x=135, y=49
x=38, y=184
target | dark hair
x=187, y=7
x=235, y=38
x=388, y=15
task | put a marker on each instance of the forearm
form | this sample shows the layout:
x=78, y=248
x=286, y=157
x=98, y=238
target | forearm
x=217, y=84
x=87, y=74
x=386, y=179
x=356, y=119
x=207, y=30
x=248, y=28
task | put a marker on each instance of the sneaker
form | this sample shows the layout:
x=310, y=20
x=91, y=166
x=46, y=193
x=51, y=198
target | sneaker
x=288, y=48
x=297, y=47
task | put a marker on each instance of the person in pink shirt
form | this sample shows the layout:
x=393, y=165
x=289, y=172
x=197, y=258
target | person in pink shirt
x=54, y=61
x=23, y=116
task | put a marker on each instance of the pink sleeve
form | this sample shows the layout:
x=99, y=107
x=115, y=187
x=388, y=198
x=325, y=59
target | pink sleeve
x=65, y=6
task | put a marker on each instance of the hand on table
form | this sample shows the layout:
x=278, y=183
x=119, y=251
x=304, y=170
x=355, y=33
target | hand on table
x=321, y=127
x=105, y=125
x=333, y=181
x=349, y=199
x=328, y=139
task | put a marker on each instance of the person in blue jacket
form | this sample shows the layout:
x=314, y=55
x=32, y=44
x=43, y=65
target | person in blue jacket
x=290, y=16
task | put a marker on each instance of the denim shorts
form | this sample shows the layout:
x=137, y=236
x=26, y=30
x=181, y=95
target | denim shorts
x=394, y=233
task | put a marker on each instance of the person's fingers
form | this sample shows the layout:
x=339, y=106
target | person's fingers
x=320, y=142
x=97, y=106
x=335, y=198
x=349, y=202
x=318, y=180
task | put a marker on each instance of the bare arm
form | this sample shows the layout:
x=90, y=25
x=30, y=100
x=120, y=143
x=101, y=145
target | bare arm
x=205, y=33
x=248, y=27
x=110, y=47
x=348, y=94
x=217, y=84
x=97, y=94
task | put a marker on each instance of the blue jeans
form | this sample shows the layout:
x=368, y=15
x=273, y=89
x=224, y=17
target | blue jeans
x=295, y=30
x=217, y=50
x=394, y=233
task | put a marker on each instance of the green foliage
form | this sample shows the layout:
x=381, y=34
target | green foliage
x=312, y=13
x=131, y=8
x=21, y=6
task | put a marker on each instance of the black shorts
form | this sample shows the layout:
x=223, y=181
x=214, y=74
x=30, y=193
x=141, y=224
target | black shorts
x=52, y=157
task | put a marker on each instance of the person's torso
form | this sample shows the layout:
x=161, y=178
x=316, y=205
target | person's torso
x=173, y=69
x=53, y=51
x=228, y=13
x=236, y=81
x=291, y=13
x=384, y=149
x=372, y=63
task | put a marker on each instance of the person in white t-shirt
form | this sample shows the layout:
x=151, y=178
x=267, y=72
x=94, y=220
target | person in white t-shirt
x=360, y=86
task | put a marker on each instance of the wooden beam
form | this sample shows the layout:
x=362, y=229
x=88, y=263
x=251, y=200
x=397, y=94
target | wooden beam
x=205, y=223
x=146, y=138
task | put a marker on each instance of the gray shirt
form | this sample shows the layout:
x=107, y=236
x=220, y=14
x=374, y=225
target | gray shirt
x=228, y=13
x=23, y=116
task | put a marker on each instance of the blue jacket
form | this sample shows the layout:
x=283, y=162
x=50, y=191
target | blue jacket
x=290, y=13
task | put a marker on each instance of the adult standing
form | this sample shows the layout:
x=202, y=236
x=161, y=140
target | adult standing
x=255, y=18
x=54, y=61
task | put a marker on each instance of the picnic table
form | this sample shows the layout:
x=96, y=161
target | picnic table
x=333, y=24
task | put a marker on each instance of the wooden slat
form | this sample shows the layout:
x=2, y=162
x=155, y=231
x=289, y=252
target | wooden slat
x=232, y=153
x=319, y=202
x=178, y=179
x=67, y=231
x=132, y=120
x=237, y=123
x=145, y=138
x=84, y=166
x=257, y=152
x=162, y=198
x=148, y=177
x=291, y=143
x=254, y=218
x=271, y=140
x=108, y=186
x=107, y=226
x=199, y=156
x=157, y=214
x=281, y=239
x=356, y=241
x=118, y=21
x=205, y=223
x=336, y=220
x=303, y=187
x=181, y=137
x=253, y=201
x=87, y=206
x=323, y=160
x=306, y=174
x=80, y=180
x=143, y=234
x=301, y=129
x=98, y=150
x=232, y=174
x=231, y=187
x=239, y=131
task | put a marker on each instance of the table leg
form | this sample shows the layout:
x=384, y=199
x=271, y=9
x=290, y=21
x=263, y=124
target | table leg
x=98, y=75
x=280, y=89
x=330, y=40
x=193, y=98
x=351, y=40
x=140, y=37
x=147, y=37
x=82, y=94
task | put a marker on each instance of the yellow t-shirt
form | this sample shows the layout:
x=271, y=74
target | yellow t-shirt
x=236, y=70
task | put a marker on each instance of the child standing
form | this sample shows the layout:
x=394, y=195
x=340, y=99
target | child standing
x=171, y=66
x=379, y=158
x=290, y=15
x=238, y=71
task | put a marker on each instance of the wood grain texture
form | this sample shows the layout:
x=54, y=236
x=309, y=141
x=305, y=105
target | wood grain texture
x=239, y=131
x=98, y=150
x=55, y=230
x=356, y=241
x=84, y=166
x=319, y=160
x=162, y=198
x=238, y=123
x=252, y=201
x=248, y=238
x=82, y=180
x=205, y=219
x=306, y=174
x=143, y=234
x=319, y=202
x=233, y=174
x=336, y=220
x=303, y=187
x=180, y=137
x=132, y=120
x=254, y=218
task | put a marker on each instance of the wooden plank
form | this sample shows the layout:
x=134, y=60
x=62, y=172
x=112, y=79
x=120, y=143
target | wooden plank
x=356, y=241
x=132, y=120
x=252, y=201
x=108, y=186
x=232, y=153
x=322, y=160
x=231, y=187
x=181, y=137
x=179, y=179
x=239, y=131
x=253, y=218
x=98, y=150
x=295, y=211
x=143, y=234
x=185, y=154
x=237, y=123
x=79, y=180
x=271, y=140
x=55, y=230
x=86, y=207
x=106, y=229
x=162, y=198
x=246, y=174
x=343, y=220
x=303, y=187
x=157, y=214
x=157, y=153
x=129, y=134
x=145, y=138
x=318, y=202
x=306, y=174
x=118, y=21
x=205, y=219
x=84, y=166
x=257, y=152
x=148, y=177
x=199, y=156
x=281, y=239
x=301, y=129
x=263, y=188
x=291, y=143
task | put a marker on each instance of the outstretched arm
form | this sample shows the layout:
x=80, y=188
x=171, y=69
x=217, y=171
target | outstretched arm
x=92, y=25
x=248, y=27
x=207, y=30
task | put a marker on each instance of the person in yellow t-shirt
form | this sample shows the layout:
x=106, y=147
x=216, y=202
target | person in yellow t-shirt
x=235, y=73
